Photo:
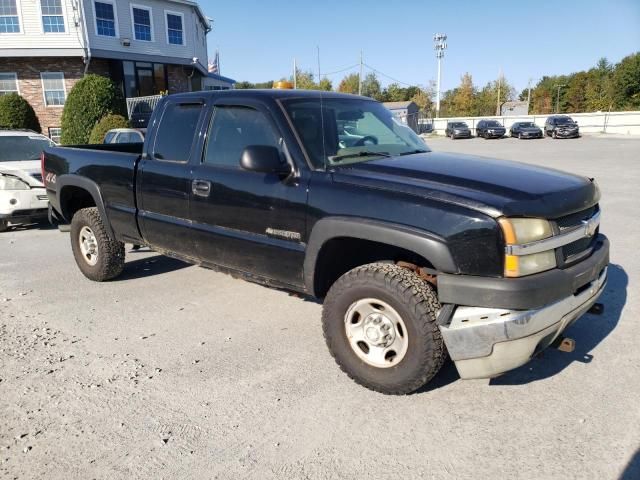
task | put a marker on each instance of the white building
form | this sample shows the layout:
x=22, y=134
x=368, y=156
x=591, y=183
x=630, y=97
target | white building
x=144, y=46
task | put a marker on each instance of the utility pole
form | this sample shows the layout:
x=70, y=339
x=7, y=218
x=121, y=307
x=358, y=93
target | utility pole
x=318, y=48
x=499, y=86
x=295, y=74
x=529, y=95
x=558, y=97
x=360, y=76
x=440, y=45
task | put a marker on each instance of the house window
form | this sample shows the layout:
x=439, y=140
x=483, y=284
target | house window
x=105, y=19
x=53, y=88
x=52, y=17
x=174, y=29
x=142, y=29
x=8, y=83
x=55, y=133
x=9, y=19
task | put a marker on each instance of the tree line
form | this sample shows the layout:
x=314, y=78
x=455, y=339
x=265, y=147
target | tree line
x=371, y=87
x=604, y=87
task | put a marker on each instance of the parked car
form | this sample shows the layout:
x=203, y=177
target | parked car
x=561, y=126
x=457, y=130
x=414, y=253
x=23, y=198
x=490, y=129
x=124, y=135
x=525, y=130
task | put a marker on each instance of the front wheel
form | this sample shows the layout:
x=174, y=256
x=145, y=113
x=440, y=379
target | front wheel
x=4, y=225
x=98, y=256
x=379, y=322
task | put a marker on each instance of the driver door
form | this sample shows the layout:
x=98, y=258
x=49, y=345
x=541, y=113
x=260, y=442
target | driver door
x=243, y=220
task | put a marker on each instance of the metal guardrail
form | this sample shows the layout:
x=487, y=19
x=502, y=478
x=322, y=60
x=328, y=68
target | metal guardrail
x=142, y=104
x=139, y=109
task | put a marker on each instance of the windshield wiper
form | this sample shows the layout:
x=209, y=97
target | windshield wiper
x=413, y=152
x=339, y=158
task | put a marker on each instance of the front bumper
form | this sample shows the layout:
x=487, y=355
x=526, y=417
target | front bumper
x=20, y=205
x=567, y=133
x=485, y=342
x=531, y=134
x=497, y=134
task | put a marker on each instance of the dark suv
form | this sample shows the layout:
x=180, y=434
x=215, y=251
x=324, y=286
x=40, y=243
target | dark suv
x=490, y=129
x=457, y=130
x=561, y=126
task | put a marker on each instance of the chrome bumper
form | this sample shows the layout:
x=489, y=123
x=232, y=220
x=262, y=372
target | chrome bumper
x=485, y=342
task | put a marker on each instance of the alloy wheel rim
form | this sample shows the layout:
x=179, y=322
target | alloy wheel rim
x=88, y=245
x=376, y=332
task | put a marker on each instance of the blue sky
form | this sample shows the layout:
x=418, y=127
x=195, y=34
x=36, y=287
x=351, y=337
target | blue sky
x=526, y=39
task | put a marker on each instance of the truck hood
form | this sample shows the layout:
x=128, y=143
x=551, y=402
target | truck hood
x=494, y=187
x=27, y=170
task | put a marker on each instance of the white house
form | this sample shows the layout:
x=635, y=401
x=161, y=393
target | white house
x=144, y=46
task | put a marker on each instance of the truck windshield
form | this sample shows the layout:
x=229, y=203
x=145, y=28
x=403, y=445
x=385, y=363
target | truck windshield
x=346, y=130
x=14, y=148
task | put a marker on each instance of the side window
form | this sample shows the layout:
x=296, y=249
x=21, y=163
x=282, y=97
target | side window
x=176, y=131
x=233, y=129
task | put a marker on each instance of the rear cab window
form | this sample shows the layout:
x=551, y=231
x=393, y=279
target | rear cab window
x=177, y=130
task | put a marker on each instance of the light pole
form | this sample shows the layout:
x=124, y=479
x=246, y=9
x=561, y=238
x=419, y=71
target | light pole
x=558, y=97
x=440, y=45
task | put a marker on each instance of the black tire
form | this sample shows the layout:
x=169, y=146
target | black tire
x=554, y=135
x=519, y=136
x=110, y=252
x=414, y=300
x=4, y=225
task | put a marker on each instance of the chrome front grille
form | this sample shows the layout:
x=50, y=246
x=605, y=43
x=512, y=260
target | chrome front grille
x=574, y=251
x=575, y=219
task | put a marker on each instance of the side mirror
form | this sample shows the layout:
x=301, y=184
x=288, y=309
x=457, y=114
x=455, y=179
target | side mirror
x=264, y=159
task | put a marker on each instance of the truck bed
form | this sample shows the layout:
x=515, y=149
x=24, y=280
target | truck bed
x=111, y=171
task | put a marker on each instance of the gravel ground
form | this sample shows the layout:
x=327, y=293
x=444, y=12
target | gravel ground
x=175, y=371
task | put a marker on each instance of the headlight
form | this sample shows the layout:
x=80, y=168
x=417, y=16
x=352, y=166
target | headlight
x=518, y=231
x=9, y=182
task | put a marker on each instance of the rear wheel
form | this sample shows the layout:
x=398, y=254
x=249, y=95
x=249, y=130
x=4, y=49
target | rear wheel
x=379, y=322
x=98, y=256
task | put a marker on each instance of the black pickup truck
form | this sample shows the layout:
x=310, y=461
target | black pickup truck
x=414, y=253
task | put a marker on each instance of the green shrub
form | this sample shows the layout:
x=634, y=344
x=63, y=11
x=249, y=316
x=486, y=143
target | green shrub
x=15, y=112
x=105, y=124
x=90, y=99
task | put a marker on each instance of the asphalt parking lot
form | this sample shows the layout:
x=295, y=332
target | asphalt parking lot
x=174, y=371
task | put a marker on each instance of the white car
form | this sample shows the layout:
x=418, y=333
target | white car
x=23, y=197
x=124, y=135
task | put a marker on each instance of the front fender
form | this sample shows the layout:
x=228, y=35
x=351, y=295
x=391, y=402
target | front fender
x=423, y=243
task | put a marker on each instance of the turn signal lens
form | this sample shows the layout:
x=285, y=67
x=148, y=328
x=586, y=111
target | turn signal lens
x=520, y=266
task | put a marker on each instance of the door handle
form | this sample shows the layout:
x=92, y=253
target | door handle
x=202, y=188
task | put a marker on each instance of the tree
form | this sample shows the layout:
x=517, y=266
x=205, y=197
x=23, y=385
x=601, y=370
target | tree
x=422, y=98
x=105, y=124
x=325, y=84
x=463, y=101
x=575, y=95
x=371, y=86
x=15, y=112
x=395, y=93
x=598, y=89
x=626, y=83
x=486, y=100
x=350, y=83
x=90, y=99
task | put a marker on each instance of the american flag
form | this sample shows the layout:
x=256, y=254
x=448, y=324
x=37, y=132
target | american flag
x=214, y=67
